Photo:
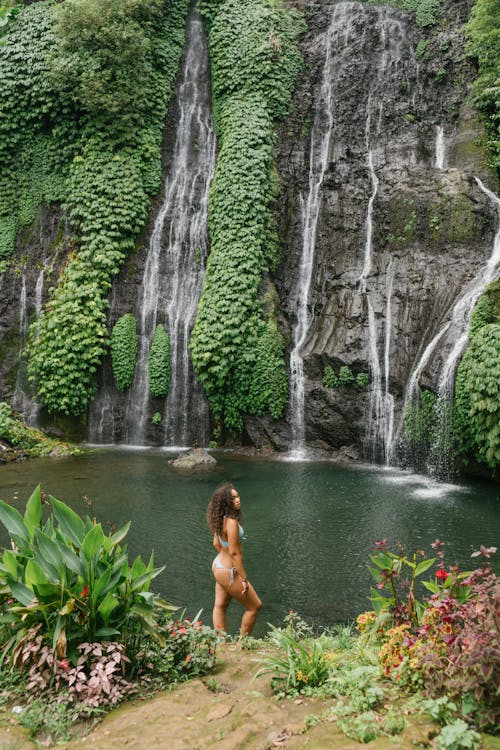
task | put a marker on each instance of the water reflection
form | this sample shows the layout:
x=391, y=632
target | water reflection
x=310, y=526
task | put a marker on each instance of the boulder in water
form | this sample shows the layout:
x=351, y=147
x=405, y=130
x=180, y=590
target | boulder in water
x=193, y=459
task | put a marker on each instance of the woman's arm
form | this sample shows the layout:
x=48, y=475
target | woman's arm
x=232, y=531
x=217, y=544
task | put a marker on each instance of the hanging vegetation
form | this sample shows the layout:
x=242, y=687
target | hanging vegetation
x=237, y=353
x=426, y=11
x=83, y=96
x=124, y=350
x=477, y=387
x=483, y=31
x=159, y=363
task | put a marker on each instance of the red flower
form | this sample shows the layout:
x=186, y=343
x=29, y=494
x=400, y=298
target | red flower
x=441, y=574
x=188, y=657
x=85, y=591
x=63, y=664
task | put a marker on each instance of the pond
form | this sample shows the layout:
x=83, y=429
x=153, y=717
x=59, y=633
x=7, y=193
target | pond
x=310, y=526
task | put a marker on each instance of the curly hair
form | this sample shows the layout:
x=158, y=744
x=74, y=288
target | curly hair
x=220, y=506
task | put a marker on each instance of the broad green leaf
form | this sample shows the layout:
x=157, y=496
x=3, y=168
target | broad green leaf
x=34, y=574
x=21, y=593
x=13, y=522
x=106, y=632
x=69, y=522
x=93, y=541
x=33, y=512
x=101, y=583
x=431, y=586
x=9, y=560
x=50, y=591
x=49, y=550
x=52, y=573
x=117, y=537
x=72, y=560
x=424, y=565
x=107, y=606
x=138, y=567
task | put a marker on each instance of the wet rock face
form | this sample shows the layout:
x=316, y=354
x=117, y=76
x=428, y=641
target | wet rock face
x=401, y=225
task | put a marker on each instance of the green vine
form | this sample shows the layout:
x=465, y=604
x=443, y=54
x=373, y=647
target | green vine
x=426, y=11
x=344, y=377
x=159, y=363
x=124, y=350
x=83, y=95
x=255, y=62
x=483, y=31
x=477, y=386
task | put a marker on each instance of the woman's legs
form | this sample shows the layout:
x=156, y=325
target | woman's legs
x=222, y=601
x=224, y=592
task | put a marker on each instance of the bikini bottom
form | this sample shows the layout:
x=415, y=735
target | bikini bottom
x=219, y=566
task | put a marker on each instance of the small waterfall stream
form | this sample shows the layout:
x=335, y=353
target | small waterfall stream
x=310, y=210
x=173, y=273
x=23, y=399
x=440, y=148
x=455, y=329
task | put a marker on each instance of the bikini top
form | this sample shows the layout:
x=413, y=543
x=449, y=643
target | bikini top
x=241, y=535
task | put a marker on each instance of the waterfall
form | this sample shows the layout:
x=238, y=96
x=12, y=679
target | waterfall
x=173, y=273
x=310, y=211
x=456, y=328
x=22, y=399
x=440, y=151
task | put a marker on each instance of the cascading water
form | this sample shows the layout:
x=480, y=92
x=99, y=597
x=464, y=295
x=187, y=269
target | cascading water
x=394, y=62
x=22, y=399
x=440, y=148
x=310, y=210
x=455, y=329
x=173, y=273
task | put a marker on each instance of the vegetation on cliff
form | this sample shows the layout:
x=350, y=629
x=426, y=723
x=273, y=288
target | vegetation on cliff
x=236, y=348
x=84, y=91
x=477, y=386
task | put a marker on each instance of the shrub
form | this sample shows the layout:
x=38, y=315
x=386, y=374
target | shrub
x=68, y=577
x=159, y=363
x=124, y=350
x=294, y=665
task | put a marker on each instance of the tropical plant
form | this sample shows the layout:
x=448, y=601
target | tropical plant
x=71, y=580
x=159, y=363
x=293, y=665
x=124, y=350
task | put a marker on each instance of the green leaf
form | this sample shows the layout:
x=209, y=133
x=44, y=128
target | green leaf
x=13, y=522
x=21, y=593
x=92, y=542
x=33, y=512
x=49, y=550
x=107, y=606
x=424, y=565
x=431, y=586
x=70, y=523
x=107, y=632
x=9, y=560
x=34, y=574
x=117, y=537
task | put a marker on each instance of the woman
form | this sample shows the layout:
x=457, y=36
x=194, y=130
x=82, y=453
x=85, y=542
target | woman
x=231, y=580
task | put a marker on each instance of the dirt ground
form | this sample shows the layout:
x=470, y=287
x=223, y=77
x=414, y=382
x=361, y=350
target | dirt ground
x=228, y=711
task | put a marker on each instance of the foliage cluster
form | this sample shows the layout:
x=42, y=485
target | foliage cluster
x=426, y=11
x=84, y=90
x=477, y=387
x=237, y=353
x=344, y=377
x=419, y=420
x=79, y=627
x=29, y=440
x=483, y=31
x=447, y=645
x=124, y=350
x=159, y=363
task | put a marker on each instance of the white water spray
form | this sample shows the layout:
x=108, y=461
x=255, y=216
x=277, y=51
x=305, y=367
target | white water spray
x=440, y=148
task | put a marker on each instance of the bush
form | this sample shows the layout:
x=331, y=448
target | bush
x=159, y=363
x=67, y=578
x=124, y=350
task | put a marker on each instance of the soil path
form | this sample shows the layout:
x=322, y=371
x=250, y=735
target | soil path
x=226, y=710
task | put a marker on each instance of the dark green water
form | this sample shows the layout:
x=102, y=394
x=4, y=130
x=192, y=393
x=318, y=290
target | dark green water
x=310, y=526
